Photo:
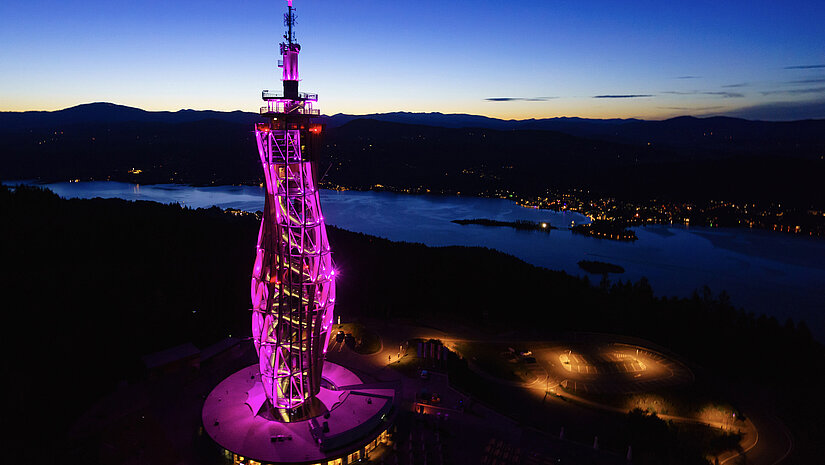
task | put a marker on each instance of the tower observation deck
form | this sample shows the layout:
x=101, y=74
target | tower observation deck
x=293, y=280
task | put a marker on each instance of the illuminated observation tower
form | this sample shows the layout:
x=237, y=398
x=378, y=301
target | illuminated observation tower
x=293, y=286
x=293, y=406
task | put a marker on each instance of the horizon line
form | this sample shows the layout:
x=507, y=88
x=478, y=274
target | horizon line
x=687, y=115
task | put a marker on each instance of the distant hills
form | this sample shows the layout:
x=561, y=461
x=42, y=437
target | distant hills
x=683, y=157
x=683, y=130
x=102, y=112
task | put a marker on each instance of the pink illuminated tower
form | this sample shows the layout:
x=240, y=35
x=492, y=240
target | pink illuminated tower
x=293, y=283
x=283, y=409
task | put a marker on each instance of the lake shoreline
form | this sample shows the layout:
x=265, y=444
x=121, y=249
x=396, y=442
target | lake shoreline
x=763, y=272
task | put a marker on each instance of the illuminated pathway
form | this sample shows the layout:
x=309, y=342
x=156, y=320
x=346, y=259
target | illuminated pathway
x=597, y=364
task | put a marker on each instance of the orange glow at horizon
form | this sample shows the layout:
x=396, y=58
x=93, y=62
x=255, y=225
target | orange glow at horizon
x=557, y=108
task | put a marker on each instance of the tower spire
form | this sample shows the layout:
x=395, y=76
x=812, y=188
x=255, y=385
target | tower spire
x=289, y=52
x=289, y=22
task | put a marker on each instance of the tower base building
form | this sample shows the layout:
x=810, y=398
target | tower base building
x=347, y=422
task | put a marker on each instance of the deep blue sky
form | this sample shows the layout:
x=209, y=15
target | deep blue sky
x=600, y=59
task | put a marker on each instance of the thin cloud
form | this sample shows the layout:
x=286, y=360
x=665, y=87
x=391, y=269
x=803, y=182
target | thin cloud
x=735, y=86
x=807, y=90
x=688, y=77
x=693, y=109
x=809, y=81
x=518, y=99
x=725, y=94
x=805, y=67
x=624, y=96
x=698, y=92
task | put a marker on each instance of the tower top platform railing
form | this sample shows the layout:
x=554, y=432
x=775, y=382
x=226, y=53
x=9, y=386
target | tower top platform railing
x=285, y=107
x=279, y=94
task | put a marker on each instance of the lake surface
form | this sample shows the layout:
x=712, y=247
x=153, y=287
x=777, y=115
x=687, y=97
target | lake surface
x=763, y=271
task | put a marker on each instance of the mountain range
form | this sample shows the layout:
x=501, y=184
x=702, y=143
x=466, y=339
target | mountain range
x=679, y=131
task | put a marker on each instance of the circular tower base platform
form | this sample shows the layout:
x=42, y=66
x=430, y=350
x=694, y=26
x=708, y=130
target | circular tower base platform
x=352, y=419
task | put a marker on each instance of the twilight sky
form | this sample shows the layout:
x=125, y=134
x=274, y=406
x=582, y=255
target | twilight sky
x=527, y=59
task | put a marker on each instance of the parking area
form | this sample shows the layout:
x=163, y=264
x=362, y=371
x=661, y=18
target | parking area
x=610, y=368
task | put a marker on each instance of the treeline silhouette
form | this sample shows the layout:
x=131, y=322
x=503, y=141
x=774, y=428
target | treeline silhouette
x=89, y=286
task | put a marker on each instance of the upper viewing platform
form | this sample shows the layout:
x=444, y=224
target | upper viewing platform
x=289, y=107
x=279, y=95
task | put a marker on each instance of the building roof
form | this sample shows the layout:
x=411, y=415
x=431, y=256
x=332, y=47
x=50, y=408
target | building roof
x=171, y=355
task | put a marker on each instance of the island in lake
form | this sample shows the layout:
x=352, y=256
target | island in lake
x=602, y=229
x=596, y=267
x=522, y=225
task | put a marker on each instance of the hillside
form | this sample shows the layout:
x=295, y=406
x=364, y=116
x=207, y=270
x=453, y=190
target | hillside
x=682, y=158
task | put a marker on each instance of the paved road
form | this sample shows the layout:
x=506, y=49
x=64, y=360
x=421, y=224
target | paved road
x=774, y=443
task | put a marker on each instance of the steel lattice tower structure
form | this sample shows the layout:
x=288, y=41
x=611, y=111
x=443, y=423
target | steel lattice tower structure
x=293, y=281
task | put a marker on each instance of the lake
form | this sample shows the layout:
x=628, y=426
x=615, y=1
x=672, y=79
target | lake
x=763, y=271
